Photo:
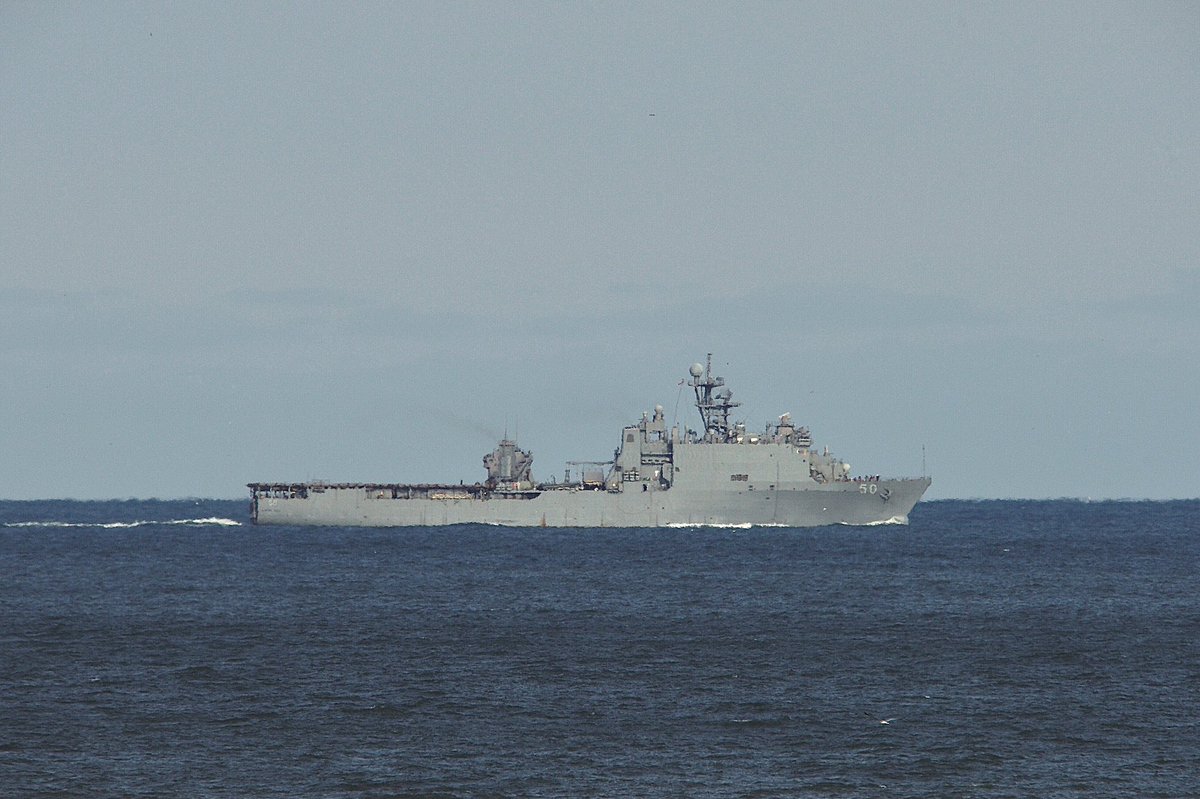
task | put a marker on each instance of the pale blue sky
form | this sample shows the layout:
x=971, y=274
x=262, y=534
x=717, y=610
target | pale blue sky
x=266, y=241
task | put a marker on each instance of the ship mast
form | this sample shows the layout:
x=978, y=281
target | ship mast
x=714, y=406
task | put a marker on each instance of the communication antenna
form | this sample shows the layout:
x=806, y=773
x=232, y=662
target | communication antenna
x=678, y=397
x=714, y=405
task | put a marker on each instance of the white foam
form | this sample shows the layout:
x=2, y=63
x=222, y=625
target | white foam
x=217, y=520
x=738, y=526
x=209, y=521
x=893, y=520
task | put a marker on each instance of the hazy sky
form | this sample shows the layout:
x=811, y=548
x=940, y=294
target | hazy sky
x=267, y=241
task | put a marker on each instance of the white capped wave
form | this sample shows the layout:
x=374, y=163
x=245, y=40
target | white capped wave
x=208, y=521
x=217, y=520
x=747, y=525
x=893, y=520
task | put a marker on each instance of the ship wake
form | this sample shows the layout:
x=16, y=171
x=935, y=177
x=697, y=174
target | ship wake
x=211, y=521
x=893, y=520
x=719, y=526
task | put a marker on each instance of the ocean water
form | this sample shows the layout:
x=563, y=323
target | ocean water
x=1019, y=649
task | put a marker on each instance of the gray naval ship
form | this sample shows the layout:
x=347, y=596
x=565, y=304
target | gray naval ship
x=721, y=475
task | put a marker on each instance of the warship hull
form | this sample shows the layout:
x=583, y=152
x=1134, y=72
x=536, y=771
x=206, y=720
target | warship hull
x=398, y=505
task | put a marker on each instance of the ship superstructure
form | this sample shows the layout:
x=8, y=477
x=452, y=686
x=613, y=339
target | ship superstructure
x=721, y=474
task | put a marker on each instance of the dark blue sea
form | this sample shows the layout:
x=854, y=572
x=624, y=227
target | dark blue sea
x=1018, y=649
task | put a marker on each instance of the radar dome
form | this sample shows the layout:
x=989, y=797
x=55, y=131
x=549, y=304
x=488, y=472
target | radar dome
x=696, y=370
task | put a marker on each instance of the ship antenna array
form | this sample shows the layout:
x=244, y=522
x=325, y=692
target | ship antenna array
x=714, y=406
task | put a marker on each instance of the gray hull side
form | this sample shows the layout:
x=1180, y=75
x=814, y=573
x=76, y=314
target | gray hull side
x=836, y=503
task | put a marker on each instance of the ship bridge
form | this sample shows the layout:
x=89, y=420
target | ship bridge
x=645, y=454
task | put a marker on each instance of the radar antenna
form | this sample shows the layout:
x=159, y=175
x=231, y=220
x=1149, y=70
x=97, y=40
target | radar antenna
x=714, y=406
